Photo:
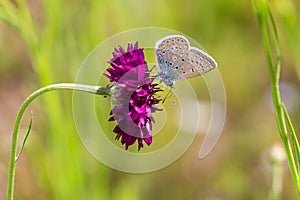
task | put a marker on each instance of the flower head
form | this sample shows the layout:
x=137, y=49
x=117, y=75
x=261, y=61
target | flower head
x=134, y=94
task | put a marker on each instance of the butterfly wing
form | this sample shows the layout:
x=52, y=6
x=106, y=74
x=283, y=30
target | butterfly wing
x=171, y=52
x=197, y=63
x=177, y=60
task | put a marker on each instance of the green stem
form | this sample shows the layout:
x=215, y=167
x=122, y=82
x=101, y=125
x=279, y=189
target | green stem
x=270, y=36
x=284, y=134
x=293, y=137
x=279, y=112
x=60, y=86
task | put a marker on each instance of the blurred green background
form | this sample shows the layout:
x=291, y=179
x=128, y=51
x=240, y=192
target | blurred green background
x=55, y=164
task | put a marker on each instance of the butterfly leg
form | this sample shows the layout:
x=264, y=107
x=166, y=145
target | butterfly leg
x=168, y=95
x=152, y=68
x=152, y=78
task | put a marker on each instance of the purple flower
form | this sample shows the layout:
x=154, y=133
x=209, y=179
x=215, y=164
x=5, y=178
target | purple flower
x=134, y=95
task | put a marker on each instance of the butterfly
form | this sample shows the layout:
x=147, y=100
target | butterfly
x=177, y=60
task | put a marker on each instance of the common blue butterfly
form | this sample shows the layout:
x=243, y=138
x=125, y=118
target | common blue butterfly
x=177, y=60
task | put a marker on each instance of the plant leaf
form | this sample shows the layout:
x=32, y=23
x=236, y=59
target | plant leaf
x=24, y=141
x=293, y=136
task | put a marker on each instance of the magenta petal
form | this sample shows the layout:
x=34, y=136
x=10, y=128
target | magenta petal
x=148, y=140
x=136, y=45
x=116, y=54
x=129, y=47
x=121, y=50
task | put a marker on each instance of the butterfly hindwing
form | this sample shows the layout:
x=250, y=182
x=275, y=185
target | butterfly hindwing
x=197, y=63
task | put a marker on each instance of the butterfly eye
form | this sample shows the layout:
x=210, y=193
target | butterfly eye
x=176, y=67
x=163, y=52
x=193, y=70
x=170, y=63
x=183, y=72
x=182, y=59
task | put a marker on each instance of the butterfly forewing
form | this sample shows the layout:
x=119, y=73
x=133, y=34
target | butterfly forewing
x=172, y=50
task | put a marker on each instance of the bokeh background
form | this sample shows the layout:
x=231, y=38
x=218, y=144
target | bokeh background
x=55, y=164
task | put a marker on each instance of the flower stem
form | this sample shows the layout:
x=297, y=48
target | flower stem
x=60, y=86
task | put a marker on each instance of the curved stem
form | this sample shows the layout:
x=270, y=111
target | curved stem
x=60, y=86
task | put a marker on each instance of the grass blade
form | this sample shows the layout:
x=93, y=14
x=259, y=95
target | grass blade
x=24, y=141
x=293, y=136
